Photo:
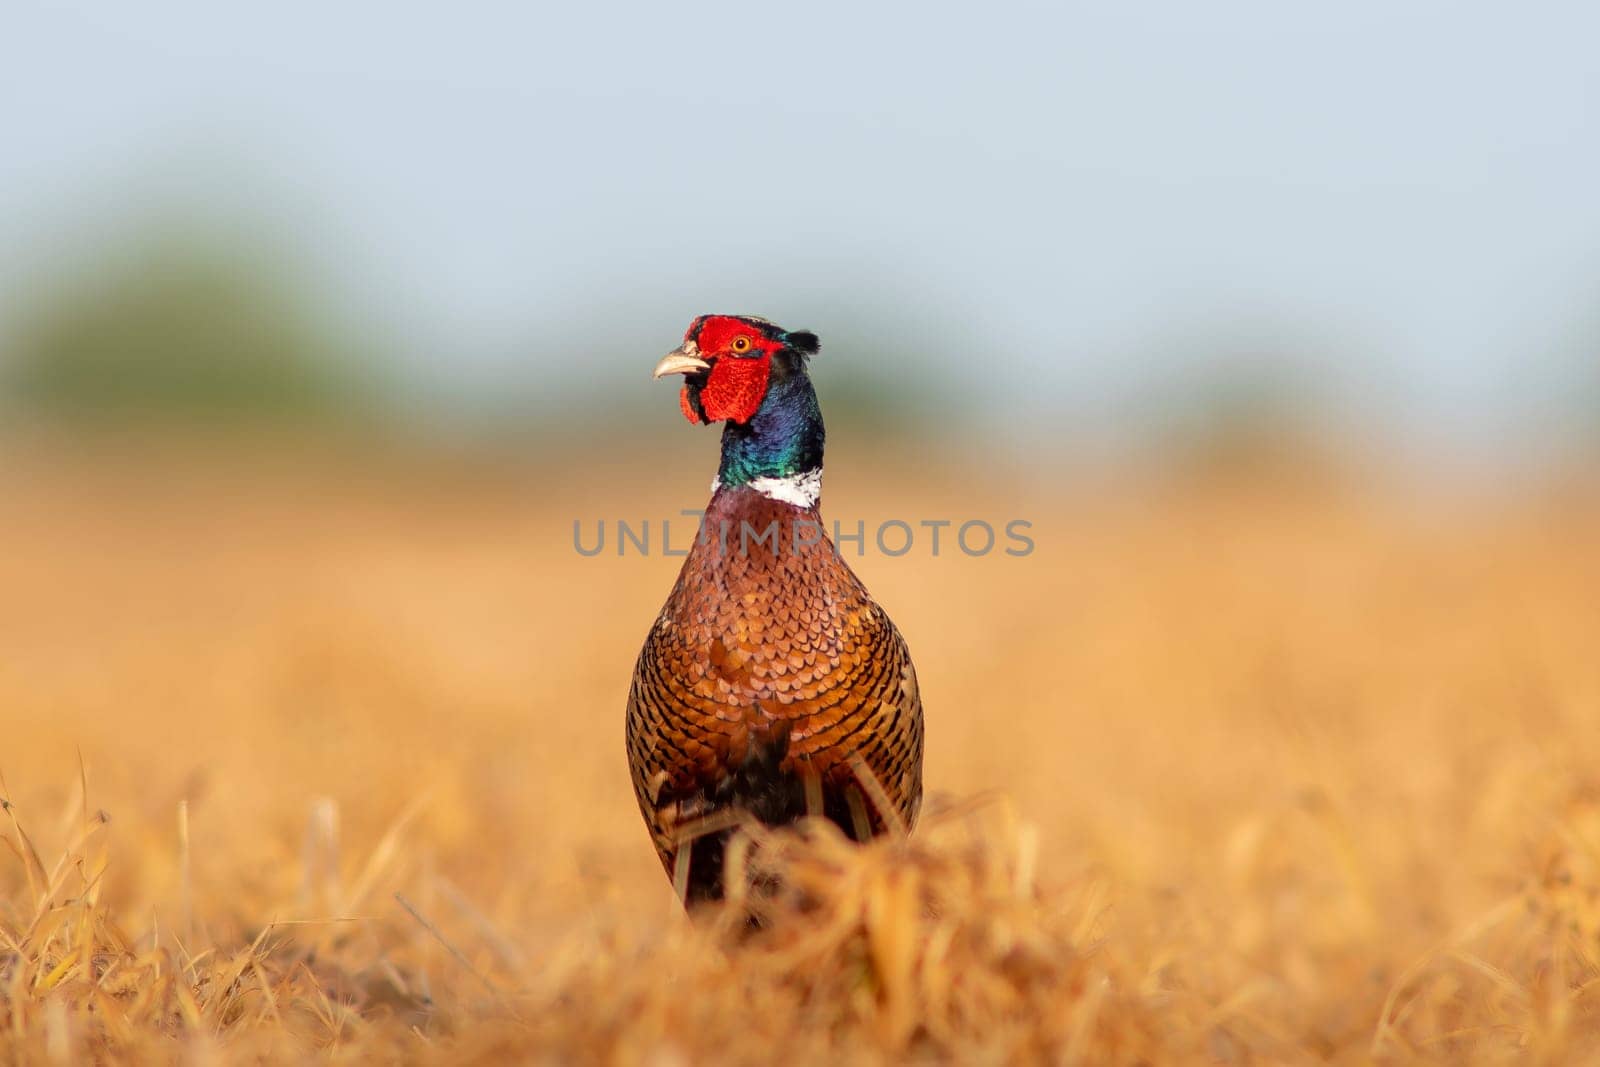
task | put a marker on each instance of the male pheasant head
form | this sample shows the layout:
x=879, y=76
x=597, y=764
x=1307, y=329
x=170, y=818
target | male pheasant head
x=751, y=376
x=730, y=362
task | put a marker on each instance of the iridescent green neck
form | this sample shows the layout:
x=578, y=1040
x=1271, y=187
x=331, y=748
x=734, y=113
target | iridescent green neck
x=782, y=439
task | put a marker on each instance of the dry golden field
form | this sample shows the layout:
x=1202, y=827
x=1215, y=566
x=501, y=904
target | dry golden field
x=323, y=759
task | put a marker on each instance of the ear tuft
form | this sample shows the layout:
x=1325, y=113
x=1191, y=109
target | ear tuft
x=803, y=341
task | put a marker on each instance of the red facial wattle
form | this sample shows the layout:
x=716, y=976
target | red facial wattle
x=687, y=405
x=735, y=388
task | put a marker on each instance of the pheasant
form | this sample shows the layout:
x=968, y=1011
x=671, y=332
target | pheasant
x=771, y=686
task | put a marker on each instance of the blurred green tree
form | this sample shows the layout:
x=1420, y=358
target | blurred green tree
x=180, y=327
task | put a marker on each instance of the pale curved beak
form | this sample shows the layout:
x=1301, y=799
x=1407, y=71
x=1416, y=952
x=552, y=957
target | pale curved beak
x=685, y=360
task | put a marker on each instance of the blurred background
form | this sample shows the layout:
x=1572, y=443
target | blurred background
x=321, y=324
x=1098, y=233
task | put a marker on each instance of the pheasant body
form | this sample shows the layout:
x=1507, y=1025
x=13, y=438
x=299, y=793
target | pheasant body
x=771, y=685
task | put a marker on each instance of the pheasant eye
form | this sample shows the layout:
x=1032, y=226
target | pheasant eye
x=741, y=344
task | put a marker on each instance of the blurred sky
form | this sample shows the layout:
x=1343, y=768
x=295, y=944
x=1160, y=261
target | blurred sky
x=1062, y=208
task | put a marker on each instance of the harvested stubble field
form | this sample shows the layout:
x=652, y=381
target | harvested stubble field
x=309, y=759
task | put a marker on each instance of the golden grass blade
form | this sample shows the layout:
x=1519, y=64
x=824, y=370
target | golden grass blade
x=387, y=849
x=433, y=931
x=185, y=873
x=860, y=825
x=812, y=783
x=680, y=872
x=33, y=868
x=509, y=954
x=880, y=799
